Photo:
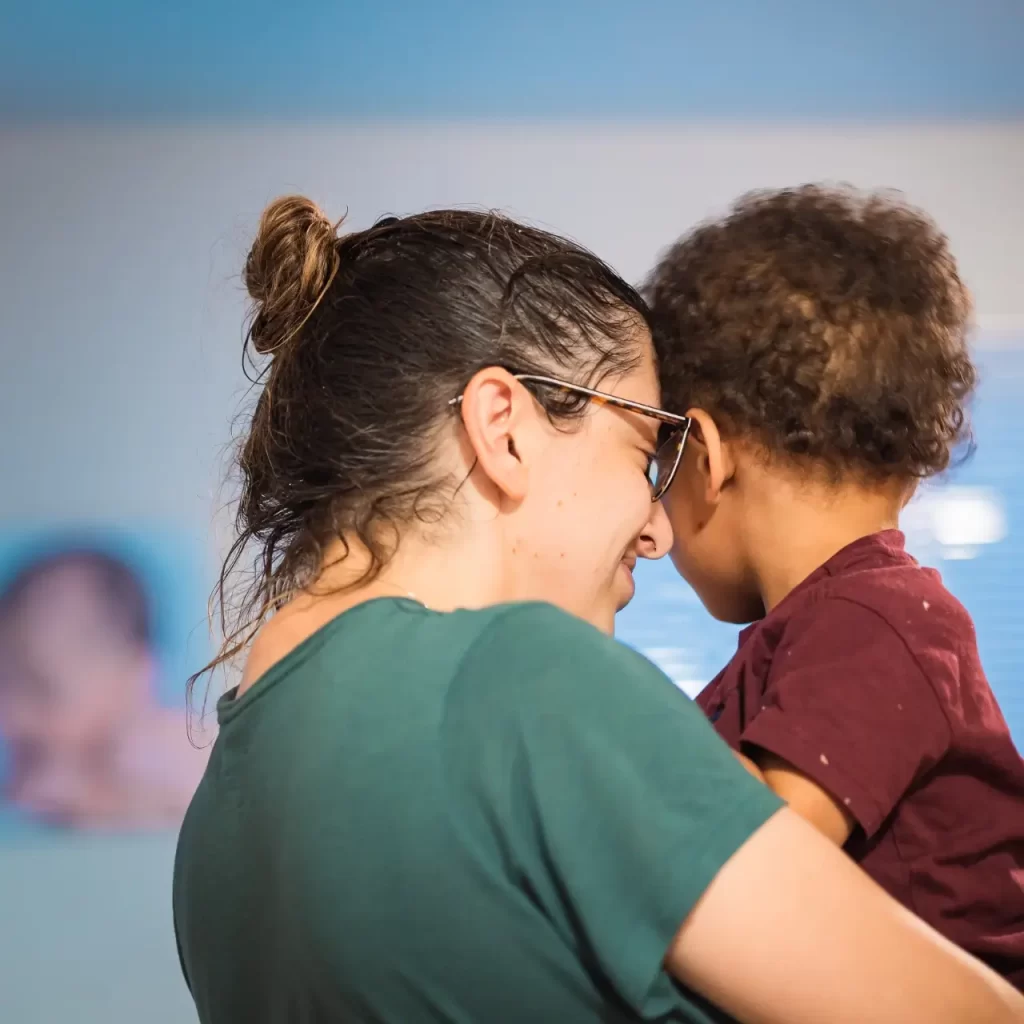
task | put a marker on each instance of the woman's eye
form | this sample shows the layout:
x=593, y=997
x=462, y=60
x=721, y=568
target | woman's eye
x=651, y=466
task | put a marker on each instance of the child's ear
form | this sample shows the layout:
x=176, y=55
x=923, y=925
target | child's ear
x=715, y=461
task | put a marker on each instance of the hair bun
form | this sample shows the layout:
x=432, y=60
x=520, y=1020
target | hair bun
x=290, y=264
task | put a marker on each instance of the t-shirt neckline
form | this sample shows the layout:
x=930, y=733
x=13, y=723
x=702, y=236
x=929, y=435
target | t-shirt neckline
x=229, y=706
x=891, y=539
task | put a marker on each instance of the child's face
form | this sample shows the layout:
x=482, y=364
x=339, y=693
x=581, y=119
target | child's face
x=68, y=681
x=710, y=548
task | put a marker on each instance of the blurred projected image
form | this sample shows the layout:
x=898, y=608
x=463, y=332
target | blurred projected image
x=86, y=740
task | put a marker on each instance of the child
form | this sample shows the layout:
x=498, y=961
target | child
x=87, y=743
x=818, y=339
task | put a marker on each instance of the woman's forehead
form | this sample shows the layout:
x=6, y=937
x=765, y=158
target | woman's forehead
x=641, y=383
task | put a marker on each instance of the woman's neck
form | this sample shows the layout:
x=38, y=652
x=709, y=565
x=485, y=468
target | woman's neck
x=440, y=576
x=443, y=576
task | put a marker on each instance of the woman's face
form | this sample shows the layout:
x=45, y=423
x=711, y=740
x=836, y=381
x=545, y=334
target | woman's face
x=588, y=515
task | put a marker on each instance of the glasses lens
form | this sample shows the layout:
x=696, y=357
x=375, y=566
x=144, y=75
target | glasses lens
x=660, y=470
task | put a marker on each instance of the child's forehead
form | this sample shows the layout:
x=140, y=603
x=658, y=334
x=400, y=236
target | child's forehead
x=60, y=587
x=65, y=602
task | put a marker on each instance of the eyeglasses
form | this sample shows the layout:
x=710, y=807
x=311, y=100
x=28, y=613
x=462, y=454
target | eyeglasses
x=664, y=463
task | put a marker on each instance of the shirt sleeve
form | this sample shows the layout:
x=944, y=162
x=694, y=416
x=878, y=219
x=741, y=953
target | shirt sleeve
x=620, y=804
x=849, y=706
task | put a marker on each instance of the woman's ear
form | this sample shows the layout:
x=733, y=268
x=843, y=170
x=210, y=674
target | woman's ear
x=497, y=412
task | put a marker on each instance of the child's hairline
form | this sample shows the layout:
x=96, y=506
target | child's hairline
x=756, y=444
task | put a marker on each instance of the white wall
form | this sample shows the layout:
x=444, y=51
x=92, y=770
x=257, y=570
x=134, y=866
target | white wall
x=120, y=251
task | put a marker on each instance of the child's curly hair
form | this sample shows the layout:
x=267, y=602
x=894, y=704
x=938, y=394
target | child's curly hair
x=827, y=323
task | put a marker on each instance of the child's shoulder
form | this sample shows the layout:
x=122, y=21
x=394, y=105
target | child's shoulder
x=898, y=625
x=905, y=597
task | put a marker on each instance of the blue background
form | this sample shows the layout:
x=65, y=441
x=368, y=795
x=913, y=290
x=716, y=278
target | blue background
x=465, y=58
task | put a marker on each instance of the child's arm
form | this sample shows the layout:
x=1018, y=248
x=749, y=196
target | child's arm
x=805, y=796
x=750, y=766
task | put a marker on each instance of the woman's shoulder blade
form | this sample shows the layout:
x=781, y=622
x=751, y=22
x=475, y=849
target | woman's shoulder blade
x=536, y=646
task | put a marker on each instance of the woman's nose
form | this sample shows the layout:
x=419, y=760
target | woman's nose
x=656, y=537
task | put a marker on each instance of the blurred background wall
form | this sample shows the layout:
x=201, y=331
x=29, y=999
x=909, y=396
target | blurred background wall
x=138, y=144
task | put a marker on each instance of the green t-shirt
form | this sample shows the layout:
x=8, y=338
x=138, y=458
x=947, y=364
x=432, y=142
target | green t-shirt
x=483, y=816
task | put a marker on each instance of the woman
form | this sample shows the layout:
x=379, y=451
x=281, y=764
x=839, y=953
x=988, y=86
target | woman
x=439, y=792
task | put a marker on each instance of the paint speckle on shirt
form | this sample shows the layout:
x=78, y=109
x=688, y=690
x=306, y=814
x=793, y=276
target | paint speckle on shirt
x=824, y=759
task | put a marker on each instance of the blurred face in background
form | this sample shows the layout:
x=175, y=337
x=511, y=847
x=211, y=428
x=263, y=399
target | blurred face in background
x=71, y=679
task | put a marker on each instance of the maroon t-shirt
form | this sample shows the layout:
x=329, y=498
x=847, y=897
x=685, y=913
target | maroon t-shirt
x=867, y=679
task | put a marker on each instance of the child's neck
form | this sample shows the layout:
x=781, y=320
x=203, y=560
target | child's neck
x=801, y=526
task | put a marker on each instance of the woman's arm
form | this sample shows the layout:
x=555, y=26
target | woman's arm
x=840, y=949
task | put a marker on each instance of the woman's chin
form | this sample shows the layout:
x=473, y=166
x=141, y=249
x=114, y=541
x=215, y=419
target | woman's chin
x=626, y=585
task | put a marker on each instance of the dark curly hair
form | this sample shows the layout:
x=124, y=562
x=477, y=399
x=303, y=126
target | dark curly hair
x=825, y=323
x=366, y=338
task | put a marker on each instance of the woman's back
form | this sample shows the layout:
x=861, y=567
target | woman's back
x=393, y=817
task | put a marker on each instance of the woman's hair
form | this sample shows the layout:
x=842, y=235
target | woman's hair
x=370, y=336
x=830, y=325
